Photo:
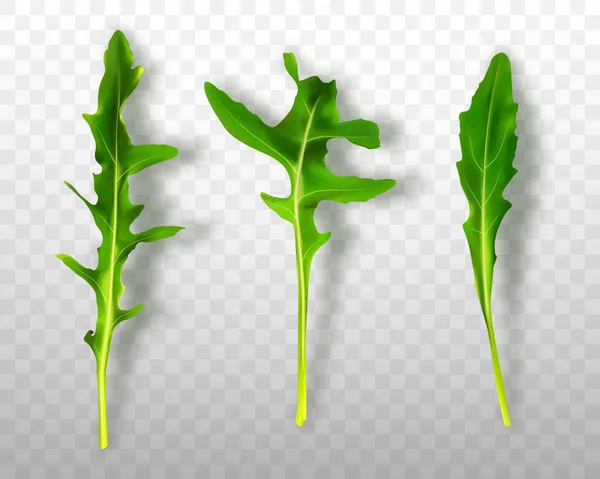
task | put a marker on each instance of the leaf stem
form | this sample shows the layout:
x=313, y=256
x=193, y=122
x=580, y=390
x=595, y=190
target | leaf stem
x=302, y=319
x=498, y=375
x=102, y=417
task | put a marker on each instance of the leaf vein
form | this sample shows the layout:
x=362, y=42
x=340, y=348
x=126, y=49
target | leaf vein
x=315, y=243
x=499, y=149
x=329, y=190
x=492, y=224
x=135, y=242
x=136, y=164
x=472, y=193
x=333, y=136
x=105, y=144
x=471, y=148
x=494, y=188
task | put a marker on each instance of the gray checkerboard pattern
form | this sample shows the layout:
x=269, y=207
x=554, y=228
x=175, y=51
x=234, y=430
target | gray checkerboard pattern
x=202, y=383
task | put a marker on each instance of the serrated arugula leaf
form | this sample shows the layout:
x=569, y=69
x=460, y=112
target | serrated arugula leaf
x=488, y=143
x=298, y=142
x=113, y=212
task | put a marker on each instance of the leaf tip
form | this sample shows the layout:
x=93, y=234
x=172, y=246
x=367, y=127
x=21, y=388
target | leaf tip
x=118, y=39
x=138, y=72
x=500, y=61
x=118, y=53
x=383, y=186
x=117, y=42
x=501, y=57
x=376, y=140
x=389, y=184
x=210, y=90
x=88, y=336
x=291, y=65
x=208, y=86
x=171, y=151
x=89, y=339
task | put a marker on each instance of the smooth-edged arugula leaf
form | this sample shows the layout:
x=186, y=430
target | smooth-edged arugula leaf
x=113, y=212
x=298, y=142
x=488, y=143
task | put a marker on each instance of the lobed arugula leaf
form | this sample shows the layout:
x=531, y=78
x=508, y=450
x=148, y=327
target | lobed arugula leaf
x=298, y=142
x=488, y=143
x=113, y=212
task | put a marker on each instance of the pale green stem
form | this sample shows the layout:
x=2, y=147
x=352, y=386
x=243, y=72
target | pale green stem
x=302, y=316
x=498, y=374
x=102, y=418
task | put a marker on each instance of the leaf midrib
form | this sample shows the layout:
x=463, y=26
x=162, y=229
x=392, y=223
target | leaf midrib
x=300, y=255
x=482, y=228
x=110, y=305
x=298, y=182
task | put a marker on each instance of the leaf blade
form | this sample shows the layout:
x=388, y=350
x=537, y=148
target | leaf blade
x=299, y=143
x=113, y=212
x=485, y=170
x=488, y=143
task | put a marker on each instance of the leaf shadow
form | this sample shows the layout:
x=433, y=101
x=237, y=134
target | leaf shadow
x=526, y=203
x=328, y=322
x=141, y=274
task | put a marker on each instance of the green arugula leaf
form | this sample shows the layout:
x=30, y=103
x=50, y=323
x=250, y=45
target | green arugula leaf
x=298, y=142
x=113, y=213
x=488, y=143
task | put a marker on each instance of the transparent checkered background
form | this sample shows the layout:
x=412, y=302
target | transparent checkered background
x=203, y=382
